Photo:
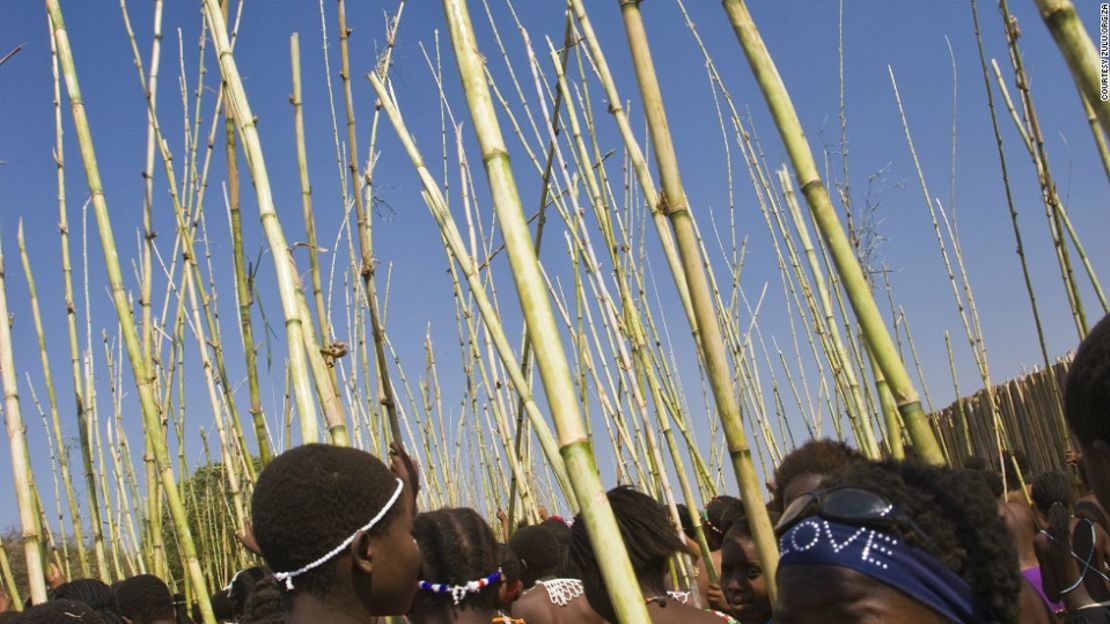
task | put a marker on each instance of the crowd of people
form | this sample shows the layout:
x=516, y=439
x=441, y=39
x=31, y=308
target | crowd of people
x=860, y=541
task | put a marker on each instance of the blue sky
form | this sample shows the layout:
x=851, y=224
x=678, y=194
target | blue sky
x=802, y=36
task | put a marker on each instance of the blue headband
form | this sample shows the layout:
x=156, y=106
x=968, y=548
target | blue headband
x=886, y=559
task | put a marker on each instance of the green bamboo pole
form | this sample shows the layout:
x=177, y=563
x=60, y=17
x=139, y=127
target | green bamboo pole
x=54, y=473
x=674, y=204
x=48, y=379
x=185, y=230
x=283, y=261
x=438, y=207
x=631, y=320
x=244, y=296
x=306, y=188
x=365, y=241
x=151, y=417
x=153, y=510
x=616, y=569
x=71, y=326
x=853, y=279
x=21, y=458
x=639, y=163
x=1020, y=247
x=1099, y=137
x=1079, y=51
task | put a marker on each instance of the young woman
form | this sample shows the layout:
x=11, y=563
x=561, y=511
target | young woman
x=651, y=541
x=742, y=578
x=896, y=542
x=1072, y=553
x=335, y=526
x=463, y=578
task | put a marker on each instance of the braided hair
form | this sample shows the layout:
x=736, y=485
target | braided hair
x=266, y=604
x=648, y=536
x=92, y=592
x=1052, y=494
x=311, y=498
x=961, y=519
x=720, y=512
x=61, y=612
x=458, y=546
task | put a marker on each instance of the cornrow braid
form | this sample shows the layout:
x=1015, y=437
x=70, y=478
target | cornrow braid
x=458, y=548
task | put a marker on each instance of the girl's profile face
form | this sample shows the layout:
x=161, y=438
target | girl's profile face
x=397, y=563
x=742, y=580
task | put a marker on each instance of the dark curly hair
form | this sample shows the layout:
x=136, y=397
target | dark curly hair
x=646, y=530
x=458, y=546
x=989, y=479
x=144, y=598
x=311, y=498
x=818, y=457
x=542, y=548
x=1087, y=389
x=961, y=519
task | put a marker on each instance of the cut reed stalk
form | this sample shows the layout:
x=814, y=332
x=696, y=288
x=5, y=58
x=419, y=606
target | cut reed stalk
x=243, y=292
x=437, y=205
x=1079, y=51
x=365, y=244
x=283, y=262
x=616, y=568
x=1020, y=247
x=151, y=417
x=674, y=205
x=71, y=325
x=848, y=267
x=21, y=459
x=55, y=419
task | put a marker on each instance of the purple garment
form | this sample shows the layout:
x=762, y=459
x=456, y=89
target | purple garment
x=1033, y=577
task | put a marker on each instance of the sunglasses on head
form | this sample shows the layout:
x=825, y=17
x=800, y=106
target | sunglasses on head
x=848, y=505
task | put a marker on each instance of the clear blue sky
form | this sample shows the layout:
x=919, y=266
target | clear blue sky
x=802, y=36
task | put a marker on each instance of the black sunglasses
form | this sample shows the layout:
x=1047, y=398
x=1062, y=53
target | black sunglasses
x=848, y=505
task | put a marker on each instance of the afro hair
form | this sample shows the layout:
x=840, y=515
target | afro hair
x=1087, y=389
x=542, y=549
x=144, y=599
x=311, y=498
x=817, y=457
x=959, y=516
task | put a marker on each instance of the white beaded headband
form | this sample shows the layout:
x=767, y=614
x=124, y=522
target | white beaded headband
x=287, y=577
